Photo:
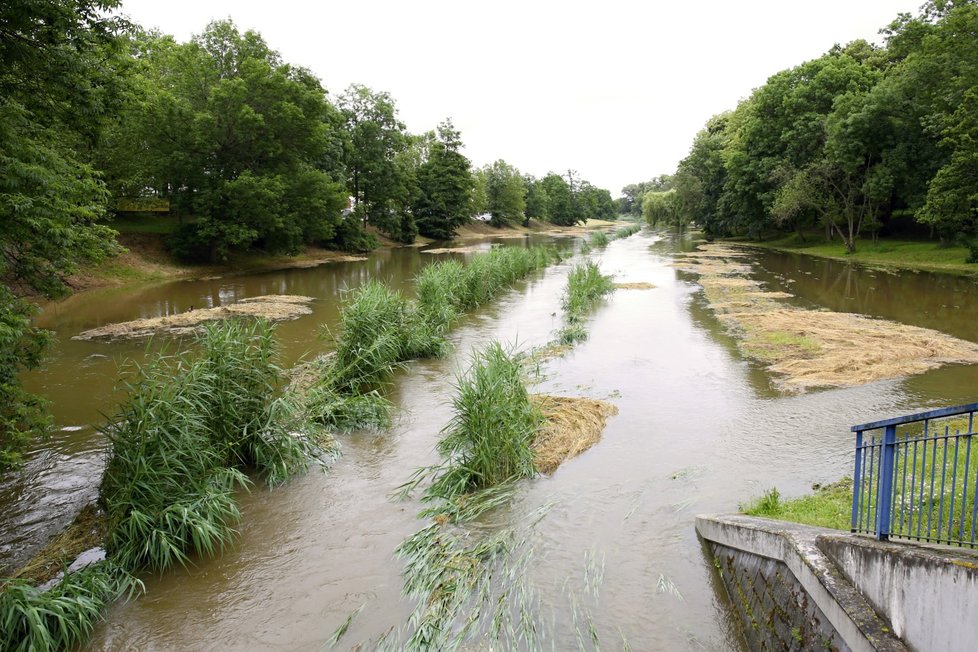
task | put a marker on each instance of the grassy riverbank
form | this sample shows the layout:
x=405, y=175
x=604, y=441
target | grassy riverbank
x=829, y=506
x=917, y=255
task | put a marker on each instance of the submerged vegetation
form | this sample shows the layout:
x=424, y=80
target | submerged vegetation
x=380, y=330
x=585, y=287
x=193, y=425
x=814, y=348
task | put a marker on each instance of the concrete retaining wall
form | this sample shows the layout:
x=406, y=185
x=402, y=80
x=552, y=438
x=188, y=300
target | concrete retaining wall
x=812, y=595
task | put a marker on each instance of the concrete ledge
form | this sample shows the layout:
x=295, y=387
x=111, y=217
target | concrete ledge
x=927, y=592
x=846, y=609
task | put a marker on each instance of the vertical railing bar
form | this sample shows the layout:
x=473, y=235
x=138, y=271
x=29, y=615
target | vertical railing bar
x=887, y=470
x=913, y=486
x=857, y=482
x=940, y=511
x=923, y=479
x=903, y=486
x=954, y=484
x=930, y=506
x=873, y=497
x=964, y=481
x=974, y=506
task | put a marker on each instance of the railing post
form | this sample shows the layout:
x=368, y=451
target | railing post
x=857, y=480
x=884, y=498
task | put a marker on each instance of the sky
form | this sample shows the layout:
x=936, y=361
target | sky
x=613, y=89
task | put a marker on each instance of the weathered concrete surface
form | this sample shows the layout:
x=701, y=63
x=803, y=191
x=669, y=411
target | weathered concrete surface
x=928, y=593
x=773, y=607
x=846, y=611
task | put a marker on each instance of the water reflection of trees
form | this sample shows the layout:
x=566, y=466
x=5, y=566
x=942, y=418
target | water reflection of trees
x=938, y=301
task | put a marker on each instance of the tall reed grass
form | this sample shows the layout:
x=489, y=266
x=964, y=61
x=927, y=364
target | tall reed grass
x=586, y=285
x=191, y=427
x=62, y=617
x=488, y=441
x=380, y=330
x=599, y=239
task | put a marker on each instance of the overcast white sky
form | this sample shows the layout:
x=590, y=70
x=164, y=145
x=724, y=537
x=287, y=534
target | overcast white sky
x=611, y=88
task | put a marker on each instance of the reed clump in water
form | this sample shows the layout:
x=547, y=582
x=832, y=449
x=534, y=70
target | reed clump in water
x=380, y=330
x=599, y=239
x=62, y=616
x=191, y=427
x=586, y=285
x=489, y=440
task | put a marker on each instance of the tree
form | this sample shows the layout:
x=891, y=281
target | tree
x=445, y=186
x=229, y=133
x=505, y=193
x=374, y=138
x=537, y=201
x=560, y=200
x=55, y=93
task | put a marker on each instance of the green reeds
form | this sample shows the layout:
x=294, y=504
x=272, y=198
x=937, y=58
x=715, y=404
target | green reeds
x=488, y=441
x=626, y=231
x=585, y=287
x=599, y=239
x=63, y=616
x=380, y=330
x=190, y=428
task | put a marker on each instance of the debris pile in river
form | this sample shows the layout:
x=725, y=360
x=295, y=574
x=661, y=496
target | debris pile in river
x=812, y=348
x=273, y=307
x=570, y=427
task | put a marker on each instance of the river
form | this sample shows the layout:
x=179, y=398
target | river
x=700, y=430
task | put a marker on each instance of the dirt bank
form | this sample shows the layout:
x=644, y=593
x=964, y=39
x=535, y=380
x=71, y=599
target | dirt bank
x=810, y=348
x=272, y=307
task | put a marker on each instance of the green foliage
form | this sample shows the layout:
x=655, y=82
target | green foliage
x=488, y=440
x=829, y=506
x=373, y=137
x=505, y=192
x=663, y=207
x=560, y=200
x=445, y=186
x=586, y=285
x=190, y=427
x=56, y=89
x=849, y=140
x=351, y=236
x=227, y=132
x=62, y=617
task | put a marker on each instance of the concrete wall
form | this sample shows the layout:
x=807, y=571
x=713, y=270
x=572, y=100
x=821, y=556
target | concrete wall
x=775, y=611
x=928, y=593
x=817, y=594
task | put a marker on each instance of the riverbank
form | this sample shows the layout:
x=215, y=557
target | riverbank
x=146, y=259
x=913, y=255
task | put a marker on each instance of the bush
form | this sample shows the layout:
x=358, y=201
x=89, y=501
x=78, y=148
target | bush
x=351, y=236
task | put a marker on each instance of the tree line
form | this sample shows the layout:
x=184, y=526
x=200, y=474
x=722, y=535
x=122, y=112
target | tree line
x=248, y=151
x=865, y=140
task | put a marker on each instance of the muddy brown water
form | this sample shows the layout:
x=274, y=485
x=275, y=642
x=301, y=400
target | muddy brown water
x=699, y=430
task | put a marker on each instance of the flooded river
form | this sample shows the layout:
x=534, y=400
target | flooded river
x=700, y=429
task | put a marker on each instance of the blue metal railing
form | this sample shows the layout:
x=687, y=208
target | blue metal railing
x=915, y=477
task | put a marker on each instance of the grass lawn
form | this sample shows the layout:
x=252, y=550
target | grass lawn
x=829, y=506
x=925, y=255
